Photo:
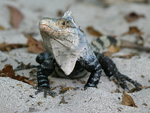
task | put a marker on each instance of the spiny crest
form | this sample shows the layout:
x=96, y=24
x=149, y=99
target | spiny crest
x=68, y=15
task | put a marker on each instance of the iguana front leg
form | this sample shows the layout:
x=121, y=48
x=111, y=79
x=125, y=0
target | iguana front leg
x=111, y=70
x=46, y=68
x=92, y=65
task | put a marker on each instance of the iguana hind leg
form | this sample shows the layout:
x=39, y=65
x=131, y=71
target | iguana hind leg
x=111, y=70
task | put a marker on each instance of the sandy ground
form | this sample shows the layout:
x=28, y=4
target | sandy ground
x=19, y=97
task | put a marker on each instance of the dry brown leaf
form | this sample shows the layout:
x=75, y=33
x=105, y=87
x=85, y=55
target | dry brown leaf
x=16, y=16
x=94, y=32
x=2, y=28
x=34, y=45
x=30, y=82
x=128, y=56
x=8, y=71
x=140, y=41
x=134, y=30
x=60, y=13
x=107, y=53
x=63, y=90
x=144, y=104
x=131, y=17
x=135, y=89
x=22, y=66
x=52, y=88
x=127, y=100
x=113, y=49
x=7, y=47
x=117, y=91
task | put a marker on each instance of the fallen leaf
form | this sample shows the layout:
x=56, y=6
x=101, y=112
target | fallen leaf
x=117, y=91
x=34, y=45
x=2, y=28
x=20, y=85
x=107, y=53
x=113, y=49
x=144, y=104
x=22, y=66
x=131, y=17
x=7, y=47
x=94, y=32
x=16, y=16
x=39, y=103
x=60, y=13
x=53, y=88
x=128, y=56
x=63, y=90
x=134, y=30
x=135, y=89
x=140, y=41
x=8, y=71
x=127, y=100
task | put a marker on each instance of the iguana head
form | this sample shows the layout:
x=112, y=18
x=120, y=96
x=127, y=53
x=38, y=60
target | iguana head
x=63, y=30
x=61, y=38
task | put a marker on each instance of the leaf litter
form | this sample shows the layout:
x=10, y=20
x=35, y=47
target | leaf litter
x=8, y=47
x=8, y=71
x=134, y=30
x=93, y=32
x=133, y=16
x=128, y=100
x=34, y=45
x=16, y=16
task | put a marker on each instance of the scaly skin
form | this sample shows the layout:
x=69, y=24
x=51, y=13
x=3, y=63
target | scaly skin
x=69, y=54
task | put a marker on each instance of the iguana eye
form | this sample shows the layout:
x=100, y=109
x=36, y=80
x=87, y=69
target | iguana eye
x=63, y=23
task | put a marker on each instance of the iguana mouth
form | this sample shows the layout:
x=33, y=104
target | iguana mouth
x=46, y=28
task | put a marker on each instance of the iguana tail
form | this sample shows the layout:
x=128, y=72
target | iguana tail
x=127, y=44
x=103, y=42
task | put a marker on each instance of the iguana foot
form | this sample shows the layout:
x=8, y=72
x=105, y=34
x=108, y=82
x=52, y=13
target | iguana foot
x=46, y=91
x=121, y=79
